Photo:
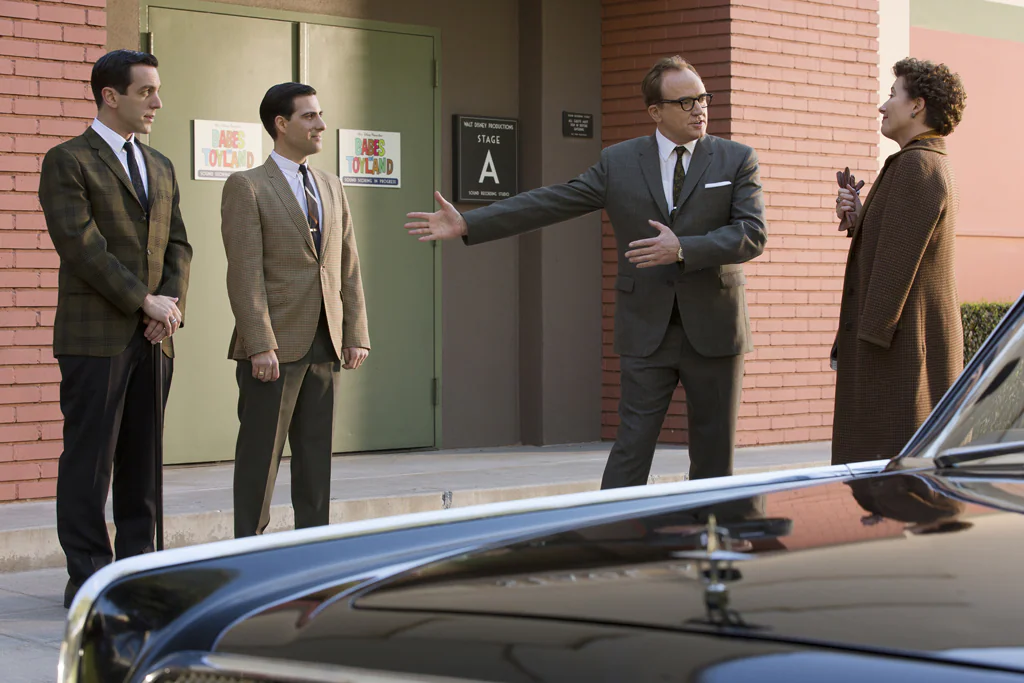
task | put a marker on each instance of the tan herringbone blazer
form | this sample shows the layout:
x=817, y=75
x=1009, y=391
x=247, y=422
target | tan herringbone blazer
x=113, y=251
x=275, y=281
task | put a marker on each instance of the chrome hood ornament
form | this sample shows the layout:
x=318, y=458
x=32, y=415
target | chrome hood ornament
x=715, y=567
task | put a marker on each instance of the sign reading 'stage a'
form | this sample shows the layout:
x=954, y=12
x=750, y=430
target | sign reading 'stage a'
x=486, y=158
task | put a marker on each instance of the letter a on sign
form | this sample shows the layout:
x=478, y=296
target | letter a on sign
x=488, y=171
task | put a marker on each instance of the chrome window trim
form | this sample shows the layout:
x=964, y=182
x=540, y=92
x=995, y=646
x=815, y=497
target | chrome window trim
x=70, y=649
x=967, y=456
x=278, y=671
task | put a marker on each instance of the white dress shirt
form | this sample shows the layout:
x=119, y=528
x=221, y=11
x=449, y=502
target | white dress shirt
x=116, y=143
x=667, y=153
x=291, y=172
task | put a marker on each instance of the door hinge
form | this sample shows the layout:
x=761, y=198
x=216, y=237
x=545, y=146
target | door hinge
x=435, y=391
x=148, y=42
x=437, y=73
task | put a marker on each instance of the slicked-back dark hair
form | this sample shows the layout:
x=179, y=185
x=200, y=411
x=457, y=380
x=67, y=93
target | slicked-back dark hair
x=114, y=70
x=280, y=101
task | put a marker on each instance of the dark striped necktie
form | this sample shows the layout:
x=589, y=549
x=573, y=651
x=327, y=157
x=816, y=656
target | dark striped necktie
x=677, y=179
x=135, y=175
x=312, y=207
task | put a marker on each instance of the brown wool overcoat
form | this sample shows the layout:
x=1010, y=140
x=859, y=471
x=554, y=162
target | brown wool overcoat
x=900, y=339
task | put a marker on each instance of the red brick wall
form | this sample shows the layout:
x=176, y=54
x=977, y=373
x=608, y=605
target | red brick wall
x=796, y=80
x=804, y=90
x=46, y=53
x=634, y=35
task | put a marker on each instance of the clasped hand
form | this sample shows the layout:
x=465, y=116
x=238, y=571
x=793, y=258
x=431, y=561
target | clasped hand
x=161, y=316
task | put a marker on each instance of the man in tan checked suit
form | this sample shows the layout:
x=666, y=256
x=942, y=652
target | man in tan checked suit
x=111, y=206
x=297, y=297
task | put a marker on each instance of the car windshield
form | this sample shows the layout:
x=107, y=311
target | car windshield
x=985, y=407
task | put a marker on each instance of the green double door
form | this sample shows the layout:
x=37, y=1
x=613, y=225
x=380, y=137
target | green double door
x=216, y=66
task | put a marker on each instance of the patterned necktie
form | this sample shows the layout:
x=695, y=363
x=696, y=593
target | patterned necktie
x=133, y=173
x=677, y=179
x=312, y=207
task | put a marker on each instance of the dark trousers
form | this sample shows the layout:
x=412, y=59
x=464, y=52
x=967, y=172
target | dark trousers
x=299, y=406
x=109, y=430
x=712, y=405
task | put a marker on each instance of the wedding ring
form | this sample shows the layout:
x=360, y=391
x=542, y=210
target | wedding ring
x=174, y=321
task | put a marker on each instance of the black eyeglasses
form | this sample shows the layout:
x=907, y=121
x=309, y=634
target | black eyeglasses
x=686, y=103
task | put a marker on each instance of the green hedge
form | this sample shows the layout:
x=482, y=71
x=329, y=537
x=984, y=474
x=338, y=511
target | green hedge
x=979, y=321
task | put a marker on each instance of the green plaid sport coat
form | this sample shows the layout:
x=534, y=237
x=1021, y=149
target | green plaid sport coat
x=112, y=251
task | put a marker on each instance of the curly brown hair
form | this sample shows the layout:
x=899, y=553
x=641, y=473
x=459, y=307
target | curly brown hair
x=941, y=89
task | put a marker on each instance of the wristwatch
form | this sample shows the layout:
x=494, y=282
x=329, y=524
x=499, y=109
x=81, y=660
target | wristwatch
x=679, y=255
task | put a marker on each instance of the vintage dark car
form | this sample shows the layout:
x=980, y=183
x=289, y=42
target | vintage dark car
x=909, y=570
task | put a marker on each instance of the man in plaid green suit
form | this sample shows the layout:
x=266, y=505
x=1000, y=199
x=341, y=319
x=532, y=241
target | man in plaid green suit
x=111, y=206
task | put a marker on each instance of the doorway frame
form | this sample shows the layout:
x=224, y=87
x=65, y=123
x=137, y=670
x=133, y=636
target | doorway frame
x=301, y=20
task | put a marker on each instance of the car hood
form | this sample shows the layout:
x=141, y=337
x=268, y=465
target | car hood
x=896, y=562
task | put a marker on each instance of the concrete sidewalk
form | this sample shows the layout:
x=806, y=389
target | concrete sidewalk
x=197, y=499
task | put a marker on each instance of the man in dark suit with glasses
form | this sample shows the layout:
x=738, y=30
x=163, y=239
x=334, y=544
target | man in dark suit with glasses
x=687, y=210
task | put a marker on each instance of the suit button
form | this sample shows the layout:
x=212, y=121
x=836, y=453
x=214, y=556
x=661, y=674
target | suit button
x=670, y=283
x=848, y=327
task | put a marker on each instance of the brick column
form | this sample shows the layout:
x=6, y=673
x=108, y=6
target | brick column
x=796, y=80
x=634, y=36
x=46, y=53
x=804, y=90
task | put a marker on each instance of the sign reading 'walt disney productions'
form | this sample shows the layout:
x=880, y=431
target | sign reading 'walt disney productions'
x=370, y=158
x=222, y=147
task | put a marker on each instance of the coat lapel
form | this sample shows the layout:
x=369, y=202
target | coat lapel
x=650, y=166
x=937, y=145
x=327, y=199
x=157, y=177
x=291, y=204
x=111, y=160
x=867, y=201
x=698, y=165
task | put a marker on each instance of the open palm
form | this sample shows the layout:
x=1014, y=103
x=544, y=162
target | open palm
x=444, y=224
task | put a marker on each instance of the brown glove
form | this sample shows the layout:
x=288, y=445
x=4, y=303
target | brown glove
x=846, y=179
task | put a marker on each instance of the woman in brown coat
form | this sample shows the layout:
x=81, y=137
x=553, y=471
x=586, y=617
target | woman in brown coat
x=900, y=342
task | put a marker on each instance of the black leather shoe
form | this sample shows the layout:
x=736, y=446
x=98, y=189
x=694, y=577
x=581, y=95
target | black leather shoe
x=69, y=592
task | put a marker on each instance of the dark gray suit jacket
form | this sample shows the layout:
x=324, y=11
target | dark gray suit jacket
x=719, y=227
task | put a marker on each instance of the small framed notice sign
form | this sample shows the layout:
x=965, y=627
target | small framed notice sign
x=370, y=158
x=576, y=125
x=219, y=148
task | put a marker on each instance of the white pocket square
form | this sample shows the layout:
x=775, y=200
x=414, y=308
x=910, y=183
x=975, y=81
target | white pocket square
x=721, y=184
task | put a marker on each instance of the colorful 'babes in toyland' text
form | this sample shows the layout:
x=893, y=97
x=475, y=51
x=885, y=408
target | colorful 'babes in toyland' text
x=371, y=158
x=222, y=148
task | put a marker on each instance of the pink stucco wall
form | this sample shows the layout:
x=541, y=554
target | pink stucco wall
x=990, y=247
